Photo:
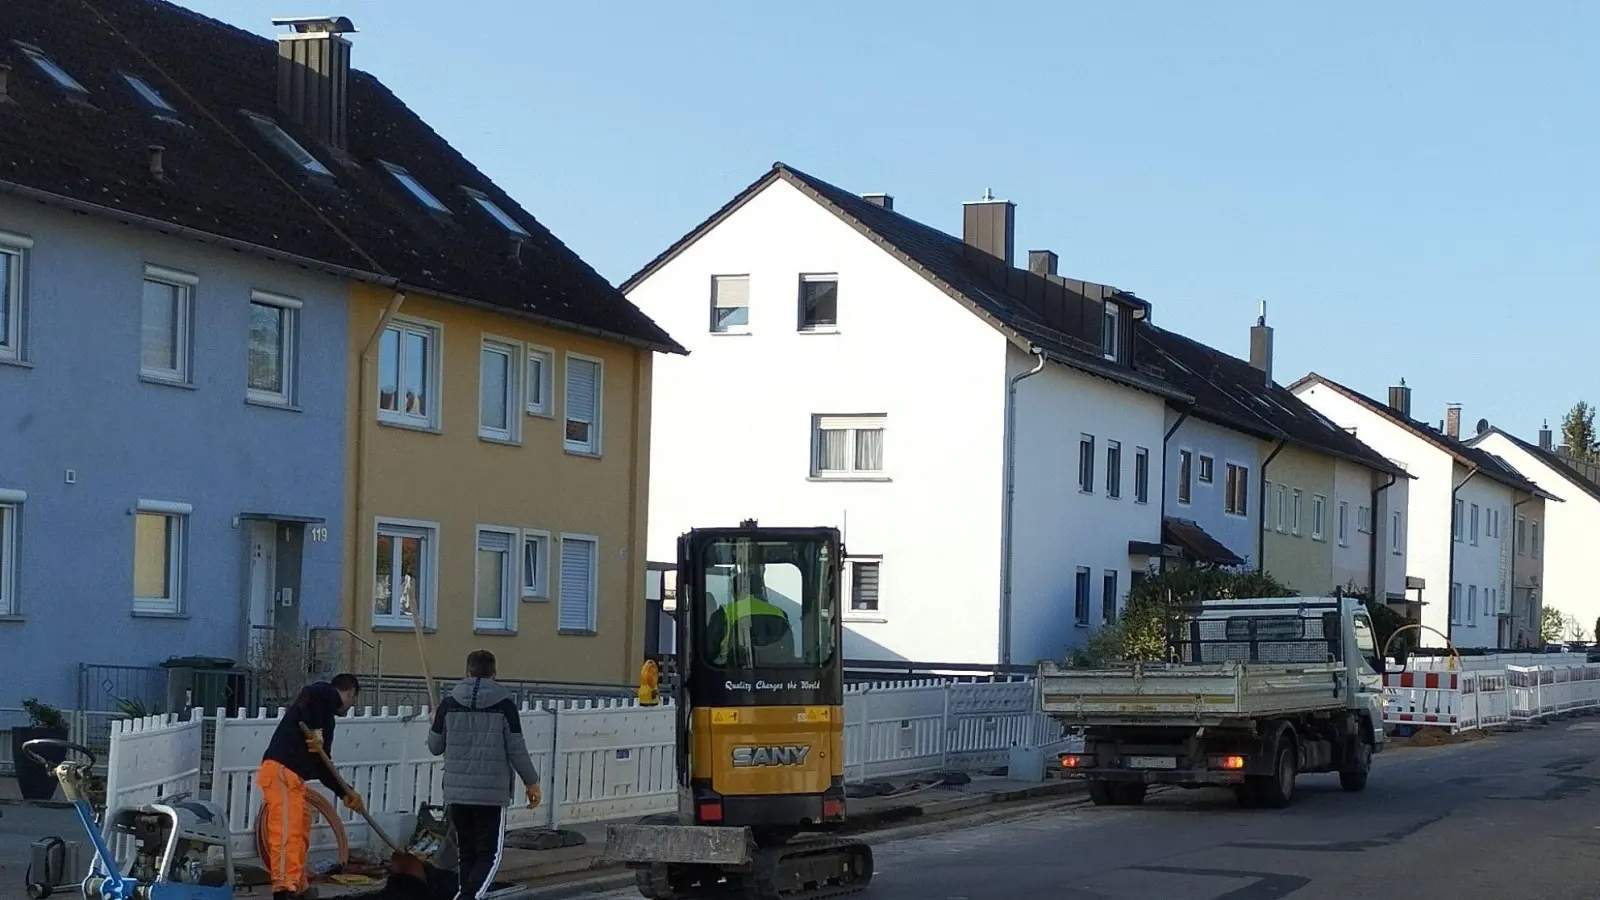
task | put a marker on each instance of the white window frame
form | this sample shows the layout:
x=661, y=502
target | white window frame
x=851, y=614
x=1455, y=603
x=1243, y=510
x=1086, y=451
x=1458, y=511
x=414, y=187
x=541, y=539
x=1534, y=546
x=290, y=308
x=177, y=553
x=1296, y=506
x=593, y=625
x=1108, y=602
x=148, y=93
x=1141, y=470
x=593, y=447
x=1114, y=472
x=287, y=145
x=496, y=213
x=1206, y=461
x=48, y=66
x=510, y=579
x=716, y=285
x=543, y=405
x=1082, y=600
x=1472, y=605
x=185, y=283
x=432, y=380
x=1519, y=535
x=11, y=502
x=1344, y=523
x=1185, y=484
x=1472, y=526
x=1110, y=331
x=800, y=310
x=851, y=424
x=427, y=588
x=1319, y=515
x=1283, y=509
x=1396, y=533
x=516, y=357
x=13, y=333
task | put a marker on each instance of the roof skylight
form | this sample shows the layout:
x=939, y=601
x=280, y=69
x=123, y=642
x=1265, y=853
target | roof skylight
x=415, y=187
x=288, y=146
x=499, y=214
x=150, y=94
x=47, y=66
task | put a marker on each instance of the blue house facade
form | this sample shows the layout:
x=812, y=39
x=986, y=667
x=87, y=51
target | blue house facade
x=172, y=448
x=1204, y=464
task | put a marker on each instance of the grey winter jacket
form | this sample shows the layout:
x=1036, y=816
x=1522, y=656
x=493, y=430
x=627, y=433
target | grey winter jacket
x=478, y=731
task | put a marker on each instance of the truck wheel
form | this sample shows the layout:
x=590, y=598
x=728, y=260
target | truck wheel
x=1102, y=793
x=1276, y=790
x=1355, y=778
x=1130, y=793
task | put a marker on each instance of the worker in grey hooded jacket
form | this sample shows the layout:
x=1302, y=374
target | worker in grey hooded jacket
x=478, y=730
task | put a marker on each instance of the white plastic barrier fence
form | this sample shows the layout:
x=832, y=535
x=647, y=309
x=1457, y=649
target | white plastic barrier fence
x=597, y=760
x=1484, y=698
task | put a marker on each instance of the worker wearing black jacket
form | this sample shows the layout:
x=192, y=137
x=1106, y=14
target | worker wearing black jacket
x=290, y=762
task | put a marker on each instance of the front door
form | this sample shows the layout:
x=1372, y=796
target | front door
x=263, y=578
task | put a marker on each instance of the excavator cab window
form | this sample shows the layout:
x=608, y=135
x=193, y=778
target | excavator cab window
x=766, y=604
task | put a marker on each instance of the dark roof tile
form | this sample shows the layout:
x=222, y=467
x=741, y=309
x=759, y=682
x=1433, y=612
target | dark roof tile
x=1562, y=465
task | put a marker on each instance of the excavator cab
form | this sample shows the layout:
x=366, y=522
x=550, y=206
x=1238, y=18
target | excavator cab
x=760, y=724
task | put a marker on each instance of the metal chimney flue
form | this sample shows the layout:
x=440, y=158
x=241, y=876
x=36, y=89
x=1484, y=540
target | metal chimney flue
x=1043, y=262
x=1261, y=344
x=314, y=75
x=1400, y=399
x=883, y=200
x=1452, y=420
x=989, y=225
x=1545, y=437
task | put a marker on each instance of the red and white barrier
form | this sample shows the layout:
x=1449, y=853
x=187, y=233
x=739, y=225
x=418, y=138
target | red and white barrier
x=1484, y=698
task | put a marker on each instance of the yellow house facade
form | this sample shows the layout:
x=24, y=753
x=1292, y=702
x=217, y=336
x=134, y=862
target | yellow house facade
x=500, y=474
x=1297, y=536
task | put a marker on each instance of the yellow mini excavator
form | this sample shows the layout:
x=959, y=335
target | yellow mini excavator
x=760, y=733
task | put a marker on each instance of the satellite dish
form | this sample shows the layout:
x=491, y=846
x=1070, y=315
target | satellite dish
x=1483, y=425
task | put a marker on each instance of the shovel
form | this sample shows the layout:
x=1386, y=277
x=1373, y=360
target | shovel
x=371, y=822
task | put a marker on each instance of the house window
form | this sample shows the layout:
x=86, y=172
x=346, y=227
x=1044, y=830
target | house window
x=1109, y=597
x=499, y=383
x=1111, y=331
x=541, y=376
x=1344, y=523
x=49, y=68
x=864, y=576
x=1283, y=508
x=414, y=187
x=1080, y=601
x=535, y=564
x=1086, y=463
x=819, y=302
x=1494, y=523
x=1522, y=536
x=408, y=375
x=1472, y=604
x=583, y=407
x=1533, y=528
x=287, y=145
x=579, y=554
x=1364, y=520
x=148, y=94
x=1207, y=465
x=1472, y=525
x=730, y=304
x=272, y=355
x=1294, y=523
x=1141, y=475
x=166, y=325
x=1395, y=533
x=10, y=501
x=158, y=551
x=1113, y=469
x=403, y=579
x=13, y=263
x=495, y=212
x=1237, y=501
x=1456, y=523
x=496, y=574
x=1185, y=464
x=844, y=446
x=1455, y=604
x=1319, y=505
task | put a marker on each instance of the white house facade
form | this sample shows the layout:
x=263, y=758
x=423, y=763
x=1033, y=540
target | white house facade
x=1456, y=541
x=851, y=367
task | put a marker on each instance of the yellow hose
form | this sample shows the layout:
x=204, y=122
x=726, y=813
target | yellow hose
x=326, y=809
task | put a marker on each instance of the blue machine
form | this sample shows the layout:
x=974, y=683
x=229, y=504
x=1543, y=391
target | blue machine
x=159, y=851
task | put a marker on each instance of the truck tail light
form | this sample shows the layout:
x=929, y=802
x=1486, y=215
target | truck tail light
x=711, y=811
x=1227, y=762
x=832, y=807
x=1075, y=761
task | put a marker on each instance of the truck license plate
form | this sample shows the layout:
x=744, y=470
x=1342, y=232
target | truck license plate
x=1152, y=762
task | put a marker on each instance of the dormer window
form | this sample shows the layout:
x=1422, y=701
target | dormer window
x=148, y=93
x=499, y=214
x=47, y=66
x=415, y=187
x=1111, y=331
x=287, y=145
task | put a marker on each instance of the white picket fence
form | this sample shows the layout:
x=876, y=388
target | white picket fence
x=597, y=760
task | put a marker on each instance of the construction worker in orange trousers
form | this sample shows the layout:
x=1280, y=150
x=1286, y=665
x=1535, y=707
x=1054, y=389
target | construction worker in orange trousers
x=290, y=762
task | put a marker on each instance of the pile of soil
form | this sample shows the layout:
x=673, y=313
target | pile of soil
x=1426, y=736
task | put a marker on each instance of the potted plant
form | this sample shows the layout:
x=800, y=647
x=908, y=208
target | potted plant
x=44, y=721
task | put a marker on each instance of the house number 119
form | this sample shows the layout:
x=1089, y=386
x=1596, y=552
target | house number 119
x=318, y=534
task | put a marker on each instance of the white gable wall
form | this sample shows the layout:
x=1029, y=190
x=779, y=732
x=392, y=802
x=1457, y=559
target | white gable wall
x=732, y=422
x=1482, y=566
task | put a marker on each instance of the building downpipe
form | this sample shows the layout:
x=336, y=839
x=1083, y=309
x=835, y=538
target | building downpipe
x=1007, y=517
x=1380, y=593
x=1450, y=585
x=363, y=442
x=1261, y=533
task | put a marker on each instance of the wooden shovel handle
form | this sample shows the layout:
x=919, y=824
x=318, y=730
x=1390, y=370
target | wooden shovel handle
x=371, y=823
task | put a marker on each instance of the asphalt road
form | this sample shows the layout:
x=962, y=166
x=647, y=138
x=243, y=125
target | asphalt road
x=1507, y=817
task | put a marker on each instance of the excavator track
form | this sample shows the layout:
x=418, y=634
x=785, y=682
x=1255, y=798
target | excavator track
x=803, y=870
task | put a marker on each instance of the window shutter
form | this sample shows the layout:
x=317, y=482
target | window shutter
x=732, y=291
x=581, y=378
x=577, y=587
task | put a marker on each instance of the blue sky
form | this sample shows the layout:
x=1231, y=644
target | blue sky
x=1410, y=187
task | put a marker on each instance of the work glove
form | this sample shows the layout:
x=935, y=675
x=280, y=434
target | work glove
x=533, y=796
x=353, y=801
x=314, y=742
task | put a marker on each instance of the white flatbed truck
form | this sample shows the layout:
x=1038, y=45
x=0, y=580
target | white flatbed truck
x=1257, y=692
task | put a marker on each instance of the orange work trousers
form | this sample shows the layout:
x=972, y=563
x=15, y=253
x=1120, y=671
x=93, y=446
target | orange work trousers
x=286, y=821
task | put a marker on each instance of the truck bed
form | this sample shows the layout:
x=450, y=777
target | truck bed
x=1186, y=694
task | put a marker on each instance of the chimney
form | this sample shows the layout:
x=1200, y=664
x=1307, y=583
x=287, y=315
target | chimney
x=1261, y=344
x=883, y=200
x=156, y=170
x=1400, y=399
x=989, y=225
x=1452, y=420
x=1545, y=436
x=1042, y=262
x=314, y=75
